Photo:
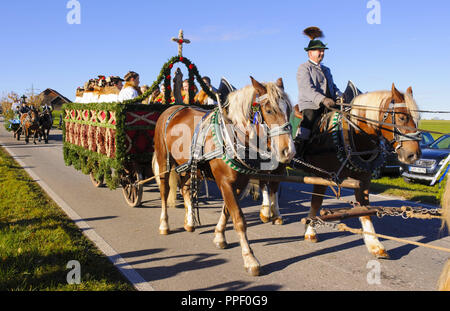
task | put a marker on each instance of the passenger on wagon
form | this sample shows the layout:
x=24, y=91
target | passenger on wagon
x=24, y=108
x=131, y=88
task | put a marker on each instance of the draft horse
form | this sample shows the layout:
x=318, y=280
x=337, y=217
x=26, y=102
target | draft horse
x=45, y=125
x=355, y=148
x=175, y=129
x=30, y=125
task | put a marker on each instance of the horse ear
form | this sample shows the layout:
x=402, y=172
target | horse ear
x=409, y=91
x=396, y=95
x=260, y=89
x=280, y=83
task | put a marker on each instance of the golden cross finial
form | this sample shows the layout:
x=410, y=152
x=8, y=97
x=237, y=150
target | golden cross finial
x=180, y=40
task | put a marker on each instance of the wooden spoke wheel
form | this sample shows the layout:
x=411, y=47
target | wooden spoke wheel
x=95, y=182
x=132, y=191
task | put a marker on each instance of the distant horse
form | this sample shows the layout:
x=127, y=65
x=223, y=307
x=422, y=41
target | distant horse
x=171, y=150
x=400, y=114
x=30, y=125
x=45, y=125
x=444, y=280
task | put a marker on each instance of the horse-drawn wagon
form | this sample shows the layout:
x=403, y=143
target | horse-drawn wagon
x=113, y=142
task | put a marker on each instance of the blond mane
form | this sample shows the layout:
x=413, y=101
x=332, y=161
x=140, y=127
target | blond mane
x=240, y=102
x=374, y=102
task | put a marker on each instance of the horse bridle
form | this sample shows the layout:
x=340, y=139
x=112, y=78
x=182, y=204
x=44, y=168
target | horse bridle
x=399, y=137
x=276, y=131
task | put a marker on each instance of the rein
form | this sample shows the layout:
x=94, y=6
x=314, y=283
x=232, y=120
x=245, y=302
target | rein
x=399, y=137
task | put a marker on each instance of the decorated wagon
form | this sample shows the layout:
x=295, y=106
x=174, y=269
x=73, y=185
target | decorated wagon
x=113, y=142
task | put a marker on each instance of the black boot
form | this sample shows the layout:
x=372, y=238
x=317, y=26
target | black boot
x=300, y=145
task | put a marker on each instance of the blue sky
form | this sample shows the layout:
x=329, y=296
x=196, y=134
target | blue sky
x=231, y=38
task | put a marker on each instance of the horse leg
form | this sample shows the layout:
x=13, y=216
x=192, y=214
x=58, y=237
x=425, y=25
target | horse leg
x=251, y=264
x=163, y=187
x=264, y=213
x=189, y=225
x=316, y=203
x=27, y=137
x=219, y=233
x=46, y=136
x=373, y=245
x=174, y=180
x=275, y=208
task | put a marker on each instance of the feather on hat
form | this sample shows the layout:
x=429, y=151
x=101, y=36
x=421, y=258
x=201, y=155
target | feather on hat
x=313, y=32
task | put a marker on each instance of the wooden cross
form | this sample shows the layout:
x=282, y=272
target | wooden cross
x=180, y=40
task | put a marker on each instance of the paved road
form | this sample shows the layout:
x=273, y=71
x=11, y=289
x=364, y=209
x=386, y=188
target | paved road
x=189, y=261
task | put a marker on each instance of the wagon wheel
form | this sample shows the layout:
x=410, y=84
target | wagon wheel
x=97, y=183
x=132, y=191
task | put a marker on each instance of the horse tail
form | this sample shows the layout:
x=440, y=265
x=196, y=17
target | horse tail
x=253, y=189
x=174, y=181
x=444, y=279
x=155, y=168
x=446, y=206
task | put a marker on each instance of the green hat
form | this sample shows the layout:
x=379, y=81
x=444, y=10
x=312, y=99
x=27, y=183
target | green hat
x=316, y=45
x=313, y=33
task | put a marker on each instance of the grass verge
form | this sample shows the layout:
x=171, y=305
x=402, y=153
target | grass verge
x=415, y=192
x=37, y=240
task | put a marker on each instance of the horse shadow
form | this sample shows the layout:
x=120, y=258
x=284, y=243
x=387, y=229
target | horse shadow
x=193, y=262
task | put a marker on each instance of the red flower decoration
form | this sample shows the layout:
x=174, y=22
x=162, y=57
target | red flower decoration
x=255, y=104
x=168, y=77
x=169, y=88
x=171, y=66
x=191, y=66
x=180, y=41
x=181, y=58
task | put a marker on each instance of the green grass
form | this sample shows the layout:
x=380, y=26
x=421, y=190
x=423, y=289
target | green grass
x=37, y=240
x=442, y=126
x=416, y=192
x=55, y=116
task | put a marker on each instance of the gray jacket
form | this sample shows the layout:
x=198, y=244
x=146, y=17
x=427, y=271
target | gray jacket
x=312, y=85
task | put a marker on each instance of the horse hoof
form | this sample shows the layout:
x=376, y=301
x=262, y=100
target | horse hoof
x=189, y=228
x=163, y=231
x=311, y=238
x=278, y=221
x=263, y=218
x=253, y=271
x=381, y=254
x=221, y=245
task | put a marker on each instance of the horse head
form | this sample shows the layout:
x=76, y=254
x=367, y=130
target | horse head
x=402, y=112
x=275, y=108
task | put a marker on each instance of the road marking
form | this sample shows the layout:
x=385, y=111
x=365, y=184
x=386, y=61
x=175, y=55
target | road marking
x=132, y=275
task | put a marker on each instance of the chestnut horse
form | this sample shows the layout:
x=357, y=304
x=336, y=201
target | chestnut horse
x=30, y=125
x=444, y=280
x=389, y=107
x=171, y=150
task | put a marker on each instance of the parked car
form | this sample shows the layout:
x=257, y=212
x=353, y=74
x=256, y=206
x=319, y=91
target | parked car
x=427, y=140
x=429, y=167
x=392, y=164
